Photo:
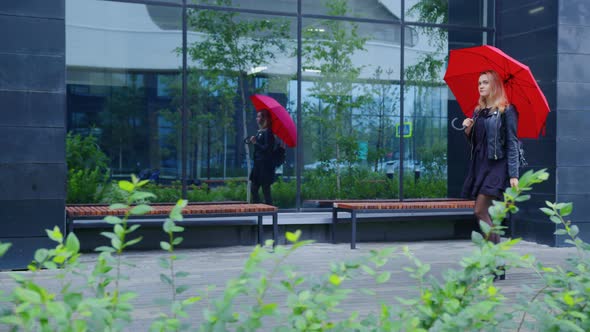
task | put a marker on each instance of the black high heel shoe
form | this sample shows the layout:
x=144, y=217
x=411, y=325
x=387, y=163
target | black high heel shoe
x=501, y=274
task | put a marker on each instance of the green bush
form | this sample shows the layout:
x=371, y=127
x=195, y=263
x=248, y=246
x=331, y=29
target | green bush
x=462, y=299
x=88, y=173
x=284, y=193
x=234, y=190
x=425, y=187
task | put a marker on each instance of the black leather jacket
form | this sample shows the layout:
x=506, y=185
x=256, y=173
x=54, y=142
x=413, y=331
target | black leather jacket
x=263, y=147
x=501, y=137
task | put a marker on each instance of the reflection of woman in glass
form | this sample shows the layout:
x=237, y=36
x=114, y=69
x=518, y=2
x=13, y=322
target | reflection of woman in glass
x=494, y=147
x=263, y=172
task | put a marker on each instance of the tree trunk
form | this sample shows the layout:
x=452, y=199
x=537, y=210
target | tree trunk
x=337, y=170
x=241, y=79
x=199, y=156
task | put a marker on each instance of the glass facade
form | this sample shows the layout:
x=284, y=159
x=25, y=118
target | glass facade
x=361, y=79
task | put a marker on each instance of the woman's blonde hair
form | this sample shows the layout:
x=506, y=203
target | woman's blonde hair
x=266, y=121
x=497, y=97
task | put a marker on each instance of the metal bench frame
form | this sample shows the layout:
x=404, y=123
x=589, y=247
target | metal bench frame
x=74, y=220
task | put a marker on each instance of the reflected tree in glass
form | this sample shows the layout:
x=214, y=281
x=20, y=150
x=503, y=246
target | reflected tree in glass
x=381, y=111
x=232, y=45
x=328, y=48
x=424, y=85
x=427, y=69
x=125, y=124
x=431, y=11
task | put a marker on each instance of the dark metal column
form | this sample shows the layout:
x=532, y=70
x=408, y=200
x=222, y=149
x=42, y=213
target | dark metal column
x=183, y=149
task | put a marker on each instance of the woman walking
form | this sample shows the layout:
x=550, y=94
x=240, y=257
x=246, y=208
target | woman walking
x=263, y=172
x=494, y=159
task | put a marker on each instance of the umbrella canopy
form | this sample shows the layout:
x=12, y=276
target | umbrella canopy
x=282, y=123
x=465, y=66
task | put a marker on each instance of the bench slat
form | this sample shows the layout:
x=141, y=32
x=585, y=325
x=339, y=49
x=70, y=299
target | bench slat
x=406, y=205
x=79, y=211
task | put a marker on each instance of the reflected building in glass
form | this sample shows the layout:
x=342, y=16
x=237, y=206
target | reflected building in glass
x=336, y=65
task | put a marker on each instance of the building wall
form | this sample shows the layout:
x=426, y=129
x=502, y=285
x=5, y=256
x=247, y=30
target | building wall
x=552, y=37
x=32, y=91
x=572, y=109
x=527, y=30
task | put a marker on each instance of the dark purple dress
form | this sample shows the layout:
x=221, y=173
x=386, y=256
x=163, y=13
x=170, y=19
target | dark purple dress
x=485, y=176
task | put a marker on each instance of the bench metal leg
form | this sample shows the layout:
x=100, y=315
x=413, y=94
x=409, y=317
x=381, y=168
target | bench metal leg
x=260, y=231
x=275, y=230
x=353, y=222
x=69, y=226
x=333, y=225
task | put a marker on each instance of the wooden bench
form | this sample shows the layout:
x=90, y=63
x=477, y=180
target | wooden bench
x=448, y=207
x=90, y=216
x=328, y=203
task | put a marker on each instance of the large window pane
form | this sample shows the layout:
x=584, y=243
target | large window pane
x=373, y=9
x=350, y=96
x=274, y=5
x=233, y=56
x=428, y=109
x=120, y=60
x=425, y=116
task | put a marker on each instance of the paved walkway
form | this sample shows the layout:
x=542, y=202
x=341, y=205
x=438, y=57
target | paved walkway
x=214, y=266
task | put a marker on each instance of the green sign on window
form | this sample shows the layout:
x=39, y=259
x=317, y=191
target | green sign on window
x=407, y=130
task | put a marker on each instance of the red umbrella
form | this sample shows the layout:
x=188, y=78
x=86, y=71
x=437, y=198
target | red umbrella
x=465, y=66
x=282, y=124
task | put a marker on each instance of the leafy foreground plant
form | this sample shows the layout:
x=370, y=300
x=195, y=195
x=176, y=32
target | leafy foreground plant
x=172, y=321
x=464, y=299
x=563, y=304
x=309, y=303
x=96, y=302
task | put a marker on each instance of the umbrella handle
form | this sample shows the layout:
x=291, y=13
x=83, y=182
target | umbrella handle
x=455, y=126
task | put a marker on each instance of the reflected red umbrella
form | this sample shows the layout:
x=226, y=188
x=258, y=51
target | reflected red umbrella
x=282, y=123
x=465, y=66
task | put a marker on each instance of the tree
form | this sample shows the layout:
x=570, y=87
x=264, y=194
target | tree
x=204, y=93
x=231, y=46
x=125, y=129
x=382, y=106
x=329, y=49
x=426, y=73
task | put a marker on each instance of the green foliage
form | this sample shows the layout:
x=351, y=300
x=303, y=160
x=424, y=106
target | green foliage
x=86, y=185
x=168, y=193
x=434, y=160
x=284, y=193
x=361, y=183
x=357, y=183
x=99, y=305
x=125, y=126
x=88, y=172
x=431, y=11
x=4, y=248
x=82, y=152
x=381, y=110
x=428, y=186
x=331, y=115
x=232, y=45
x=234, y=190
x=172, y=321
x=564, y=303
x=462, y=299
